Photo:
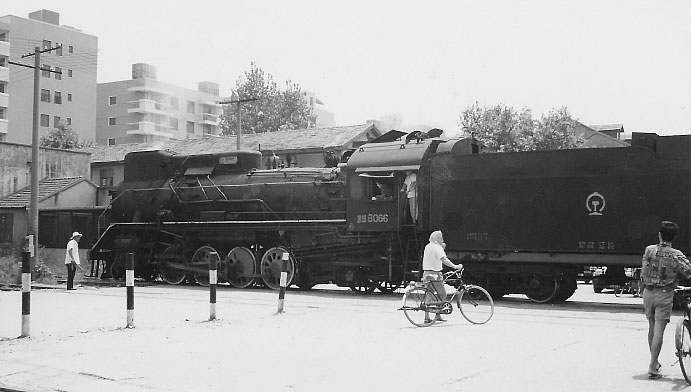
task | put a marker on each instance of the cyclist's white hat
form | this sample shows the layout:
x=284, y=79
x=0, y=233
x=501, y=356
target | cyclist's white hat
x=76, y=234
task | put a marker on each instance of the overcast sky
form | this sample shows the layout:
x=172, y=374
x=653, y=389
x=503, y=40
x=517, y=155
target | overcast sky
x=607, y=61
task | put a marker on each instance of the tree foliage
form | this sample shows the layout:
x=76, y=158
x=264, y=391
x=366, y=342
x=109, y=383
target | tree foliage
x=63, y=137
x=504, y=129
x=273, y=110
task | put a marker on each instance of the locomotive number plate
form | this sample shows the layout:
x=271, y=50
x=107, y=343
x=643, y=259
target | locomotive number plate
x=372, y=218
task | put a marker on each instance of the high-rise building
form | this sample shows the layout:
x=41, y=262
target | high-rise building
x=144, y=109
x=325, y=117
x=67, y=79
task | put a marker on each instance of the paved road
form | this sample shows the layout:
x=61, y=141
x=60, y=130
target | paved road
x=325, y=341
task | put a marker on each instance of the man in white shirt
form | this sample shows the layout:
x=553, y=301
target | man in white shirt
x=410, y=190
x=72, y=258
x=433, y=259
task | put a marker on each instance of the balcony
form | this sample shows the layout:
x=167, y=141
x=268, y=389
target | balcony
x=210, y=119
x=4, y=74
x=149, y=128
x=4, y=100
x=4, y=48
x=145, y=106
x=150, y=89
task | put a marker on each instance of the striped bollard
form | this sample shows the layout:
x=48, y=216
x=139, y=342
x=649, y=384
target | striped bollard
x=213, y=280
x=26, y=294
x=284, y=281
x=129, y=282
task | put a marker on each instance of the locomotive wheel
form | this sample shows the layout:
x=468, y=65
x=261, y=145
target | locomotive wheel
x=567, y=286
x=542, y=288
x=271, y=266
x=241, y=267
x=201, y=259
x=169, y=274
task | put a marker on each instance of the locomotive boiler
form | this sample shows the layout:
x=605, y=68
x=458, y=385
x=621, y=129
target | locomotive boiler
x=524, y=222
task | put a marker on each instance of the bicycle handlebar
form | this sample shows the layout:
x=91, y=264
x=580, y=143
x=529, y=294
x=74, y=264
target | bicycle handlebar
x=450, y=275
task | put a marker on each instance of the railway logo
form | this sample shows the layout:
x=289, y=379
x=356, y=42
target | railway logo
x=595, y=204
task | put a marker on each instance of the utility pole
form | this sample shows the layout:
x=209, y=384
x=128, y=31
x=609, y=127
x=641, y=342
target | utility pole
x=239, y=102
x=32, y=232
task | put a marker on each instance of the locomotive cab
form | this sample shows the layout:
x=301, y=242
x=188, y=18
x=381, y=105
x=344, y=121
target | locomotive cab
x=375, y=175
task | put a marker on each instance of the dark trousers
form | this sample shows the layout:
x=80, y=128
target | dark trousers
x=71, y=270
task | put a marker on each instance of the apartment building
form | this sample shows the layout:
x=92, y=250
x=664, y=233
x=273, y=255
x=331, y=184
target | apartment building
x=325, y=118
x=67, y=79
x=145, y=110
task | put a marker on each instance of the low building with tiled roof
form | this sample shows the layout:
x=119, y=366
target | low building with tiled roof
x=53, y=194
x=296, y=148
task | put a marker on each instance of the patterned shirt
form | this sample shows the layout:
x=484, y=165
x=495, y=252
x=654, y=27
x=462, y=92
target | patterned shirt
x=662, y=265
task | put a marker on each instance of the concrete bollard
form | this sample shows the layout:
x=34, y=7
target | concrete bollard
x=213, y=280
x=284, y=280
x=129, y=282
x=26, y=294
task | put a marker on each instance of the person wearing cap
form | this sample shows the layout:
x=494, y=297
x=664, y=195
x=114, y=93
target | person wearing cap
x=72, y=259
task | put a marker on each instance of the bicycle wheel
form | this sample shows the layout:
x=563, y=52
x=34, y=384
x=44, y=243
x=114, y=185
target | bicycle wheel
x=682, y=340
x=414, y=307
x=476, y=305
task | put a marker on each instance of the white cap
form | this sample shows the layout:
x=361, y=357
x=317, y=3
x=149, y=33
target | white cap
x=75, y=234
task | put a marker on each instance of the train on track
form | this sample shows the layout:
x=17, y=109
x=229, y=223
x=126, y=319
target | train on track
x=521, y=222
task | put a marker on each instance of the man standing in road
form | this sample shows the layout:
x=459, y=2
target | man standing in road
x=662, y=265
x=72, y=259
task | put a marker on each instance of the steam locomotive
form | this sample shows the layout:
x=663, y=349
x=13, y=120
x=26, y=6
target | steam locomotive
x=523, y=222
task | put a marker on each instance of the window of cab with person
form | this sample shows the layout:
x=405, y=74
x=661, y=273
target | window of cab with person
x=381, y=188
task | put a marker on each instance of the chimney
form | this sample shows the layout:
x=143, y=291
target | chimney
x=141, y=70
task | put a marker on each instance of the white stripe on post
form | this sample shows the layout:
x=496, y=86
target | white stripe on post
x=26, y=294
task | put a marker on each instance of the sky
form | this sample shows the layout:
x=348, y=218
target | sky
x=607, y=61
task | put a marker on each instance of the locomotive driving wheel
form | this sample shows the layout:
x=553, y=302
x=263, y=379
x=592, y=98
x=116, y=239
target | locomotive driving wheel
x=169, y=273
x=366, y=287
x=542, y=288
x=200, y=262
x=241, y=267
x=271, y=266
x=387, y=287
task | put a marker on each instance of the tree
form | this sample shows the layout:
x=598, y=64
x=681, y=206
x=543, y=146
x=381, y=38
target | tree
x=273, y=110
x=63, y=137
x=503, y=129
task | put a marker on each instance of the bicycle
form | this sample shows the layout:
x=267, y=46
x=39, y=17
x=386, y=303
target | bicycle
x=420, y=300
x=682, y=334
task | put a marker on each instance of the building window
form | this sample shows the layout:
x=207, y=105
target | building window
x=3, y=61
x=190, y=127
x=106, y=175
x=45, y=71
x=46, y=44
x=58, y=73
x=3, y=36
x=6, y=227
x=45, y=120
x=3, y=113
x=174, y=123
x=69, y=72
x=69, y=120
x=69, y=97
x=190, y=107
x=56, y=121
x=70, y=49
x=111, y=141
x=208, y=129
x=111, y=121
x=58, y=50
x=112, y=100
x=58, y=98
x=3, y=87
x=45, y=95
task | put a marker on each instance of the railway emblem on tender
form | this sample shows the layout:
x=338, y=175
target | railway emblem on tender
x=595, y=203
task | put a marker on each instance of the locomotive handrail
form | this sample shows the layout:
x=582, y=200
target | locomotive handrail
x=217, y=187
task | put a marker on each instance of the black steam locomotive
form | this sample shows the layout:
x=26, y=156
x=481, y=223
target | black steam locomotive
x=525, y=222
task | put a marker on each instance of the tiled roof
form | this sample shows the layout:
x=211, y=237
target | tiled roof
x=322, y=137
x=46, y=189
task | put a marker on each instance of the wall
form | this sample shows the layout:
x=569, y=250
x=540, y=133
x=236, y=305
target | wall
x=15, y=165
